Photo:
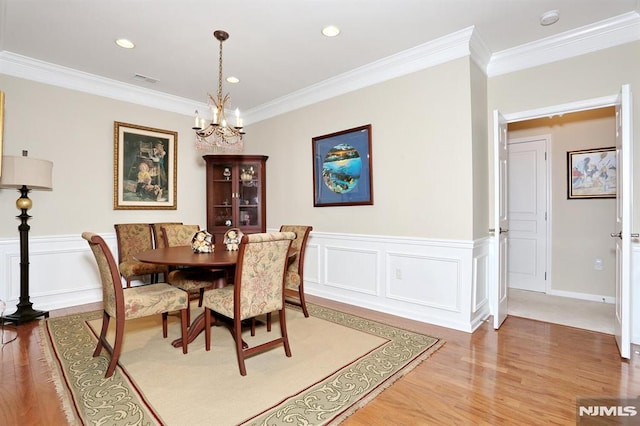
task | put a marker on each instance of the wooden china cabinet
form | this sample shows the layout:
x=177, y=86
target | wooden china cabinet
x=236, y=194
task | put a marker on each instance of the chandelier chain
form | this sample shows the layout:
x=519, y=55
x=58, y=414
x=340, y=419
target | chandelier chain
x=220, y=76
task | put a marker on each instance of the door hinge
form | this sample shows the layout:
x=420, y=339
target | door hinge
x=545, y=276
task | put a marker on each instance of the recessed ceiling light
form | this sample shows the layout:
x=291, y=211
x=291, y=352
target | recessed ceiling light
x=549, y=18
x=123, y=42
x=331, y=31
x=233, y=79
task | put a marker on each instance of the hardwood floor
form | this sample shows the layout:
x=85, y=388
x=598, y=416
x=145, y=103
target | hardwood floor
x=528, y=373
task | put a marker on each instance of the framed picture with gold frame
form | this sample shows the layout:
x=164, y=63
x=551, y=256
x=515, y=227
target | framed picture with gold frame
x=145, y=168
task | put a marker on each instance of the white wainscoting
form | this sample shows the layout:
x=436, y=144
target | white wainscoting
x=440, y=282
x=62, y=272
x=435, y=281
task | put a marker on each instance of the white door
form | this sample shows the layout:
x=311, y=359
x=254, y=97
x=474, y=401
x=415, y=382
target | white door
x=499, y=299
x=623, y=222
x=527, y=211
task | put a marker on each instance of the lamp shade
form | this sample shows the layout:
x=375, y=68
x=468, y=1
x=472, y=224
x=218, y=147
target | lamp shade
x=18, y=171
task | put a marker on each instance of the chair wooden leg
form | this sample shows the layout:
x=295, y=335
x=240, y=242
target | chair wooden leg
x=183, y=328
x=283, y=331
x=117, y=347
x=164, y=324
x=207, y=328
x=303, y=303
x=237, y=336
x=201, y=297
x=268, y=321
x=103, y=334
x=253, y=326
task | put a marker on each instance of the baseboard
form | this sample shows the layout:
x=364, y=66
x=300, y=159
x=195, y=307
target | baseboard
x=583, y=296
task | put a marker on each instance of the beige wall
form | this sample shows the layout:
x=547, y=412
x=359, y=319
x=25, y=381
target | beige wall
x=429, y=154
x=422, y=157
x=580, y=228
x=423, y=169
x=75, y=131
x=584, y=77
x=480, y=148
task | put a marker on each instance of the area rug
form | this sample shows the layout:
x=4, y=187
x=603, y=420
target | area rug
x=339, y=363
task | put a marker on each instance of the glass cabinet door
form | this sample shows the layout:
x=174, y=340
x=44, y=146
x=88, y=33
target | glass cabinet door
x=249, y=195
x=222, y=202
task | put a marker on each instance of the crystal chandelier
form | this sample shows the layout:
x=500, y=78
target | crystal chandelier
x=219, y=133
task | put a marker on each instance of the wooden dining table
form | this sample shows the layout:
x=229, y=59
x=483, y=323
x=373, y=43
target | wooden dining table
x=220, y=258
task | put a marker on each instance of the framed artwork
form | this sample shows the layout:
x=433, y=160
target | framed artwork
x=342, y=168
x=592, y=173
x=145, y=168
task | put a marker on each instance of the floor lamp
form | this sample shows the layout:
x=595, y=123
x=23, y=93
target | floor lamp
x=25, y=174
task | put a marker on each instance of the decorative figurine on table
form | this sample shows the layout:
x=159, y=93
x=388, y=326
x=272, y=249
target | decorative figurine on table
x=202, y=242
x=232, y=239
x=226, y=173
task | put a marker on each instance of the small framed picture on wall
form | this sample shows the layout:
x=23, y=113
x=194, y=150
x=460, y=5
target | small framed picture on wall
x=592, y=173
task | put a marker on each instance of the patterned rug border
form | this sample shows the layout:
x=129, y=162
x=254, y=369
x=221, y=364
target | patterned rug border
x=414, y=347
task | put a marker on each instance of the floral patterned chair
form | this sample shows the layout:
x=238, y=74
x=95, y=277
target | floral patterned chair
x=158, y=240
x=293, y=280
x=134, y=238
x=191, y=280
x=258, y=289
x=124, y=304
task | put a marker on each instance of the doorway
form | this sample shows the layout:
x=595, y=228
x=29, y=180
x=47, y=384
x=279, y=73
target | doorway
x=559, y=248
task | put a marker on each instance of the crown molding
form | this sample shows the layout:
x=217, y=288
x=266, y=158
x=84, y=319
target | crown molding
x=442, y=50
x=43, y=72
x=590, y=38
x=467, y=42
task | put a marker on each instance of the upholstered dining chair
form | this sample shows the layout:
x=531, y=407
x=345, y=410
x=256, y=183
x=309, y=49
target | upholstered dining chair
x=134, y=238
x=258, y=289
x=158, y=240
x=191, y=280
x=294, y=280
x=124, y=304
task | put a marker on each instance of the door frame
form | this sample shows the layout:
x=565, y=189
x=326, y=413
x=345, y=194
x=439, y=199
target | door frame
x=549, y=111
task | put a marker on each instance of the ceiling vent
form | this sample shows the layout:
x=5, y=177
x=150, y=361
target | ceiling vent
x=141, y=77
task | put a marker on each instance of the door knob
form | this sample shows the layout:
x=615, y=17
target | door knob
x=502, y=231
x=616, y=234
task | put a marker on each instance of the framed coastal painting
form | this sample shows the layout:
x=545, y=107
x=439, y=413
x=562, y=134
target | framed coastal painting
x=342, y=174
x=592, y=173
x=145, y=168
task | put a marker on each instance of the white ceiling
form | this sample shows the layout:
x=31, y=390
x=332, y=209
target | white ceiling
x=275, y=46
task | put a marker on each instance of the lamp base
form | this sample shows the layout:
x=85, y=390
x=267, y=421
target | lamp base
x=24, y=314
